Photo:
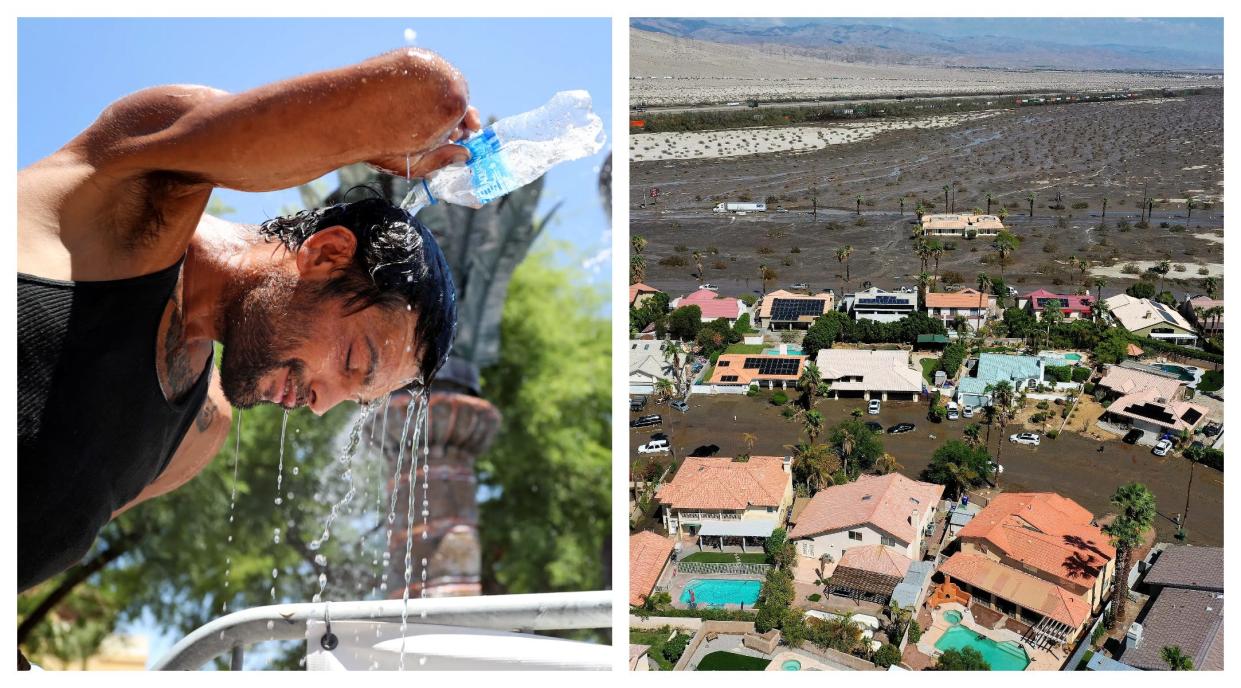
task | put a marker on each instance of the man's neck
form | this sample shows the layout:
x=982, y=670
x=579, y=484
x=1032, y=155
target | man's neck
x=223, y=257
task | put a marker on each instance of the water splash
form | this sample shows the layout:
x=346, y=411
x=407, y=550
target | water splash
x=396, y=481
x=346, y=458
x=284, y=423
x=232, y=508
x=421, y=402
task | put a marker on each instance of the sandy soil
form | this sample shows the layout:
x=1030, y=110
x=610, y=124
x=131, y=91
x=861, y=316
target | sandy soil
x=734, y=142
x=1191, y=269
x=1170, y=147
x=666, y=70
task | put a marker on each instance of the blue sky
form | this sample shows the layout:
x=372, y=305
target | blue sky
x=69, y=70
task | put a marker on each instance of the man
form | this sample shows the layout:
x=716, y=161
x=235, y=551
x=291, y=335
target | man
x=124, y=284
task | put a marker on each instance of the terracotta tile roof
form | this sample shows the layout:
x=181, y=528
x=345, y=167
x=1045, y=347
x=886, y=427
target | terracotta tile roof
x=1127, y=381
x=720, y=483
x=764, y=306
x=876, y=559
x=712, y=305
x=730, y=365
x=965, y=298
x=648, y=552
x=638, y=289
x=885, y=502
x=1069, y=303
x=1045, y=531
x=1017, y=586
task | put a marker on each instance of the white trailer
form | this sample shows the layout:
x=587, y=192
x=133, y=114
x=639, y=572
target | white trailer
x=740, y=207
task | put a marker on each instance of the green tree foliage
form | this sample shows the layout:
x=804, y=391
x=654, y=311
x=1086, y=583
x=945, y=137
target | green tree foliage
x=824, y=332
x=1141, y=290
x=742, y=327
x=887, y=655
x=774, y=600
x=838, y=327
x=780, y=550
x=1058, y=373
x=1113, y=347
x=715, y=336
x=1019, y=322
x=958, y=466
x=550, y=466
x=840, y=634
x=684, y=323
x=954, y=354
x=1135, y=506
x=965, y=659
x=858, y=446
x=653, y=308
x=1176, y=659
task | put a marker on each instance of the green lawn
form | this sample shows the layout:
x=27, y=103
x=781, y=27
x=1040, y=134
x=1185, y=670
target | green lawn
x=744, y=349
x=1211, y=381
x=929, y=366
x=656, y=640
x=729, y=661
x=725, y=558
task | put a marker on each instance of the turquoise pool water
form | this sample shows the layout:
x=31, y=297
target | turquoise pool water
x=717, y=592
x=791, y=665
x=792, y=351
x=953, y=617
x=1006, y=656
x=1183, y=373
x=1072, y=357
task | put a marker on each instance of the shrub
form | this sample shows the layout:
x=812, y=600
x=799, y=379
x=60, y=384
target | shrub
x=915, y=632
x=1080, y=205
x=1088, y=388
x=1059, y=373
x=1081, y=374
x=887, y=655
x=673, y=649
x=752, y=391
x=779, y=398
x=673, y=262
x=815, y=597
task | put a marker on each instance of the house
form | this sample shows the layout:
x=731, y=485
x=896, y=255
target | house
x=728, y=502
x=1208, y=323
x=1120, y=380
x=1147, y=410
x=648, y=364
x=739, y=371
x=785, y=310
x=890, y=510
x=1037, y=558
x=1147, y=318
x=639, y=293
x=966, y=225
x=648, y=556
x=976, y=307
x=1185, y=609
x=867, y=373
x=879, y=305
x=713, y=305
x=1072, y=306
x=1022, y=372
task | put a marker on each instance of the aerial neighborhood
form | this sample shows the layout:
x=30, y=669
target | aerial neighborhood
x=872, y=473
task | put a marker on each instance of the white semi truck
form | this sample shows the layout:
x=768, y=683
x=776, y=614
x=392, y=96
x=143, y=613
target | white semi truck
x=740, y=208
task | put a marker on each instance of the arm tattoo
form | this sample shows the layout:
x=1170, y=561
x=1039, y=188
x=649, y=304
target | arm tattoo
x=176, y=358
x=206, y=415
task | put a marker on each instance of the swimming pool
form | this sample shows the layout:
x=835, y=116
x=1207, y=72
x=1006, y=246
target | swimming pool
x=716, y=592
x=791, y=665
x=789, y=351
x=1185, y=374
x=952, y=616
x=1005, y=656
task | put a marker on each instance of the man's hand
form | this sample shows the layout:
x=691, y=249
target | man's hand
x=422, y=163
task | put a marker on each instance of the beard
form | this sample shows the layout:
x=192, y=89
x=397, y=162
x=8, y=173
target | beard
x=258, y=338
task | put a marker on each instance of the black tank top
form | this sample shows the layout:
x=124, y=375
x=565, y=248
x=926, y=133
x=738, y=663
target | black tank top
x=93, y=426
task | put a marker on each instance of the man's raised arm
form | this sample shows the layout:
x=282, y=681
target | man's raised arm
x=287, y=133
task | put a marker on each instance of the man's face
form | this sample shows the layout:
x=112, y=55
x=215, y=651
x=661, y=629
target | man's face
x=287, y=344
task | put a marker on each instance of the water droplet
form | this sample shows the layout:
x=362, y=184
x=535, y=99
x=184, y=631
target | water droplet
x=320, y=560
x=422, y=660
x=424, y=561
x=313, y=545
x=275, y=573
x=410, y=35
x=279, y=500
x=271, y=625
x=322, y=580
x=296, y=470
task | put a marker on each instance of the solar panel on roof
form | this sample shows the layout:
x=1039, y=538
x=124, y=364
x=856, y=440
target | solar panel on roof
x=792, y=309
x=884, y=301
x=773, y=366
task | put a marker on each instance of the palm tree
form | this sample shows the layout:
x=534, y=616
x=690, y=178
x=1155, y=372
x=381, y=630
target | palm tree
x=842, y=256
x=672, y=350
x=813, y=423
x=960, y=478
x=960, y=324
x=1099, y=282
x=923, y=250
x=1136, y=515
x=664, y=388
x=809, y=383
x=973, y=434
x=1190, y=204
x=1162, y=268
x=989, y=199
x=1004, y=244
x=844, y=446
x=1210, y=285
x=637, y=265
x=886, y=464
x=946, y=199
x=766, y=274
x=1030, y=198
x=920, y=210
x=1002, y=214
x=749, y=439
x=984, y=283
x=698, y=263
x=1105, y=208
x=859, y=205
x=924, y=281
x=1002, y=405
x=1176, y=659
x=937, y=250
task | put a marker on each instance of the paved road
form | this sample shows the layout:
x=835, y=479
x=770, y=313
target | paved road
x=1070, y=465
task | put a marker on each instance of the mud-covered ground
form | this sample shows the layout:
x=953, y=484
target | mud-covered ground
x=1171, y=149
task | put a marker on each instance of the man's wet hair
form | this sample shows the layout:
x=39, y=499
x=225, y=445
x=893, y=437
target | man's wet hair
x=397, y=263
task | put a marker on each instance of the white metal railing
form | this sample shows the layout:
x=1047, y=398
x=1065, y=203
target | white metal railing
x=525, y=613
x=707, y=516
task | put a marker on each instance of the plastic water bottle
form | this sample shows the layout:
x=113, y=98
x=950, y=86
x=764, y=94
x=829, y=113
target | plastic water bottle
x=514, y=152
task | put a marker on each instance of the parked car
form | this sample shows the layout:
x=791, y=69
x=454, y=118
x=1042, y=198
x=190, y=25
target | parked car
x=781, y=210
x=1162, y=447
x=710, y=287
x=637, y=403
x=1211, y=429
x=654, y=447
x=1133, y=436
x=900, y=428
x=801, y=285
x=1030, y=438
x=967, y=411
x=680, y=405
x=875, y=427
x=646, y=421
x=997, y=468
x=873, y=407
x=953, y=411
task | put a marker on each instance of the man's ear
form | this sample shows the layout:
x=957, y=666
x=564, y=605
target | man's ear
x=326, y=252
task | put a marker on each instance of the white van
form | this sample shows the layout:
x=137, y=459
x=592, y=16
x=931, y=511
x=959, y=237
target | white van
x=654, y=447
x=953, y=411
